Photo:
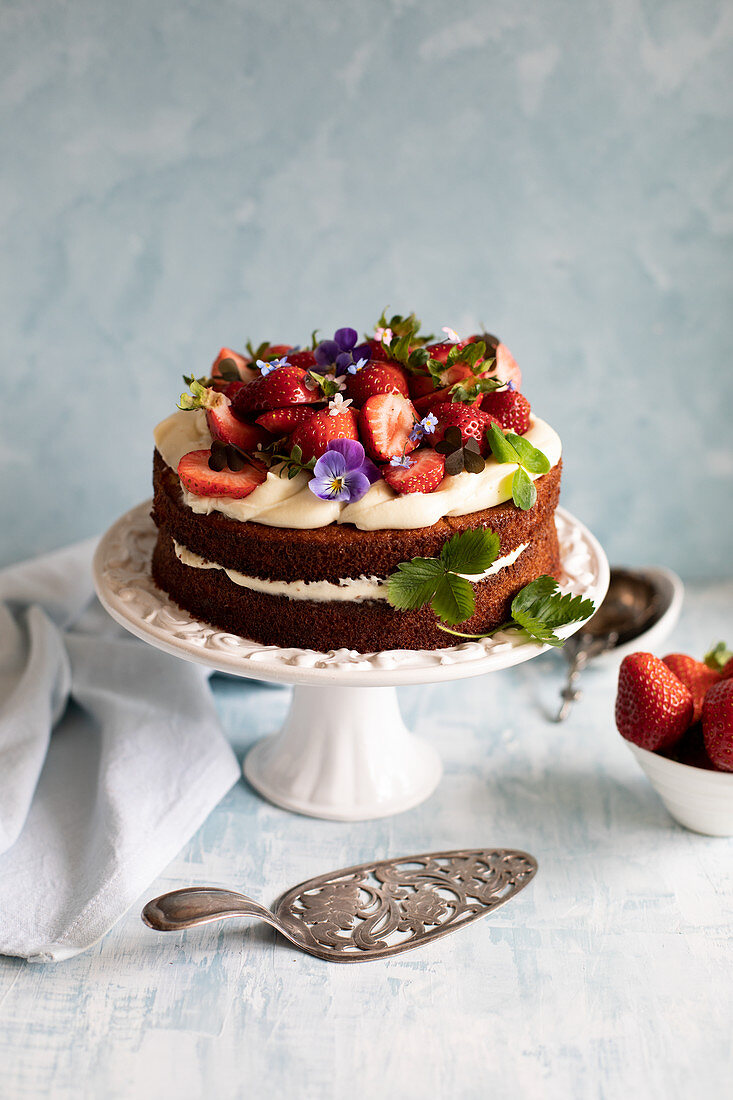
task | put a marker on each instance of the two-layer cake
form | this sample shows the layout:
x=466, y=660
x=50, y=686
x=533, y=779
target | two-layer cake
x=291, y=484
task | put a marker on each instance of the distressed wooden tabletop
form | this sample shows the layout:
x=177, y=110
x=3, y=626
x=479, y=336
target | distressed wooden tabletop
x=609, y=976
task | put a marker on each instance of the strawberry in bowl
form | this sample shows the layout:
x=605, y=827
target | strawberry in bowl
x=676, y=714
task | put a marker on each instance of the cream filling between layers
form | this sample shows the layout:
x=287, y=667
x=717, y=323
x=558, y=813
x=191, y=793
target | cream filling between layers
x=279, y=502
x=348, y=588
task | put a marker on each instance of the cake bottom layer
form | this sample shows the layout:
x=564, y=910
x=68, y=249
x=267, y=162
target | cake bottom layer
x=363, y=625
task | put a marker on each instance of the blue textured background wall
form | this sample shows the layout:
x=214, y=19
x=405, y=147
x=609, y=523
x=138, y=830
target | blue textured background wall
x=180, y=176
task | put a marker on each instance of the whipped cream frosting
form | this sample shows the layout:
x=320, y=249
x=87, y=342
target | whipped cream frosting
x=280, y=502
x=348, y=588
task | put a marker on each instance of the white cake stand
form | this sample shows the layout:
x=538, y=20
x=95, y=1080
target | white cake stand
x=344, y=752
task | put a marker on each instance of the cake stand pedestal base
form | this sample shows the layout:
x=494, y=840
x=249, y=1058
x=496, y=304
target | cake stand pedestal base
x=344, y=754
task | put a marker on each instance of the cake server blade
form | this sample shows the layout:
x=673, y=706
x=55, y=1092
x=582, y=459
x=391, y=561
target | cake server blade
x=370, y=911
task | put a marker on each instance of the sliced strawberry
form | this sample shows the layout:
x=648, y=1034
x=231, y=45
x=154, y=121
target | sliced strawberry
x=244, y=368
x=284, y=421
x=376, y=378
x=224, y=425
x=385, y=423
x=470, y=420
x=423, y=475
x=505, y=365
x=198, y=477
x=322, y=428
x=511, y=408
x=281, y=387
x=696, y=677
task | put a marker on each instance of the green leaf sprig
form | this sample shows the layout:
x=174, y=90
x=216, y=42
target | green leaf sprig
x=718, y=657
x=442, y=582
x=508, y=447
x=538, y=610
x=290, y=464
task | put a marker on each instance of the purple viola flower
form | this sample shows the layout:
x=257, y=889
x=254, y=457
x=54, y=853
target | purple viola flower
x=343, y=472
x=341, y=352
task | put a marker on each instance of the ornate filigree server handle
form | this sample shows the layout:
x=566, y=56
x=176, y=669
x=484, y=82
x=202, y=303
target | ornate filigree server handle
x=370, y=911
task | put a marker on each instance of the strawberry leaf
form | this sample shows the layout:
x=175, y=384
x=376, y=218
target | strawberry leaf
x=718, y=657
x=470, y=552
x=453, y=600
x=414, y=583
x=539, y=609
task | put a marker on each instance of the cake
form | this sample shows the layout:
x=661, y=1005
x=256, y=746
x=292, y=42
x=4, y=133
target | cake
x=292, y=486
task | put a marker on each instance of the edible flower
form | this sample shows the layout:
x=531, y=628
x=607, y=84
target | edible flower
x=423, y=427
x=341, y=352
x=384, y=335
x=451, y=335
x=343, y=472
x=402, y=460
x=338, y=404
x=268, y=368
x=357, y=366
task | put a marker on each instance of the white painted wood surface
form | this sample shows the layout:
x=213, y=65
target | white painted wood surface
x=610, y=976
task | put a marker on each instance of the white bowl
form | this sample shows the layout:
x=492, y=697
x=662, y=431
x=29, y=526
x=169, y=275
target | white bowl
x=699, y=799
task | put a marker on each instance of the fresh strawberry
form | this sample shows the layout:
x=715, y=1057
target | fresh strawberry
x=727, y=672
x=224, y=425
x=440, y=352
x=653, y=707
x=376, y=378
x=385, y=423
x=281, y=387
x=198, y=477
x=232, y=389
x=511, y=408
x=276, y=351
x=696, y=677
x=304, y=359
x=246, y=371
x=470, y=420
x=717, y=725
x=420, y=385
x=379, y=355
x=505, y=365
x=427, y=403
x=425, y=472
x=284, y=421
x=322, y=428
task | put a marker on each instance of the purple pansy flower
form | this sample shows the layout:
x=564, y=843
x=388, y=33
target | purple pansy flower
x=341, y=352
x=343, y=472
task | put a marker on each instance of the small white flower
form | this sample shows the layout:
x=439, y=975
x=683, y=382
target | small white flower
x=451, y=335
x=341, y=382
x=338, y=405
x=384, y=335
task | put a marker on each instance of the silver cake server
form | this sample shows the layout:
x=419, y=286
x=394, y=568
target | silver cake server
x=370, y=911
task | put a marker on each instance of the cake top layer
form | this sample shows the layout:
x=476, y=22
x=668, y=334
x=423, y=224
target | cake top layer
x=395, y=432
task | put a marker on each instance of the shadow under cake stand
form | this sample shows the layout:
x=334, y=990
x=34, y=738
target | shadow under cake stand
x=344, y=752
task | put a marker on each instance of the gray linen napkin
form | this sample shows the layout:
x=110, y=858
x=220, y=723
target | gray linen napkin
x=111, y=756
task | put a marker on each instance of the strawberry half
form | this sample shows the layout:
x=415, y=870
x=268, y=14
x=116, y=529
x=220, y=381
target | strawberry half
x=470, y=421
x=511, y=408
x=283, y=386
x=224, y=425
x=425, y=473
x=385, y=423
x=717, y=725
x=696, y=677
x=376, y=378
x=285, y=421
x=198, y=477
x=505, y=365
x=322, y=428
x=246, y=372
x=653, y=707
